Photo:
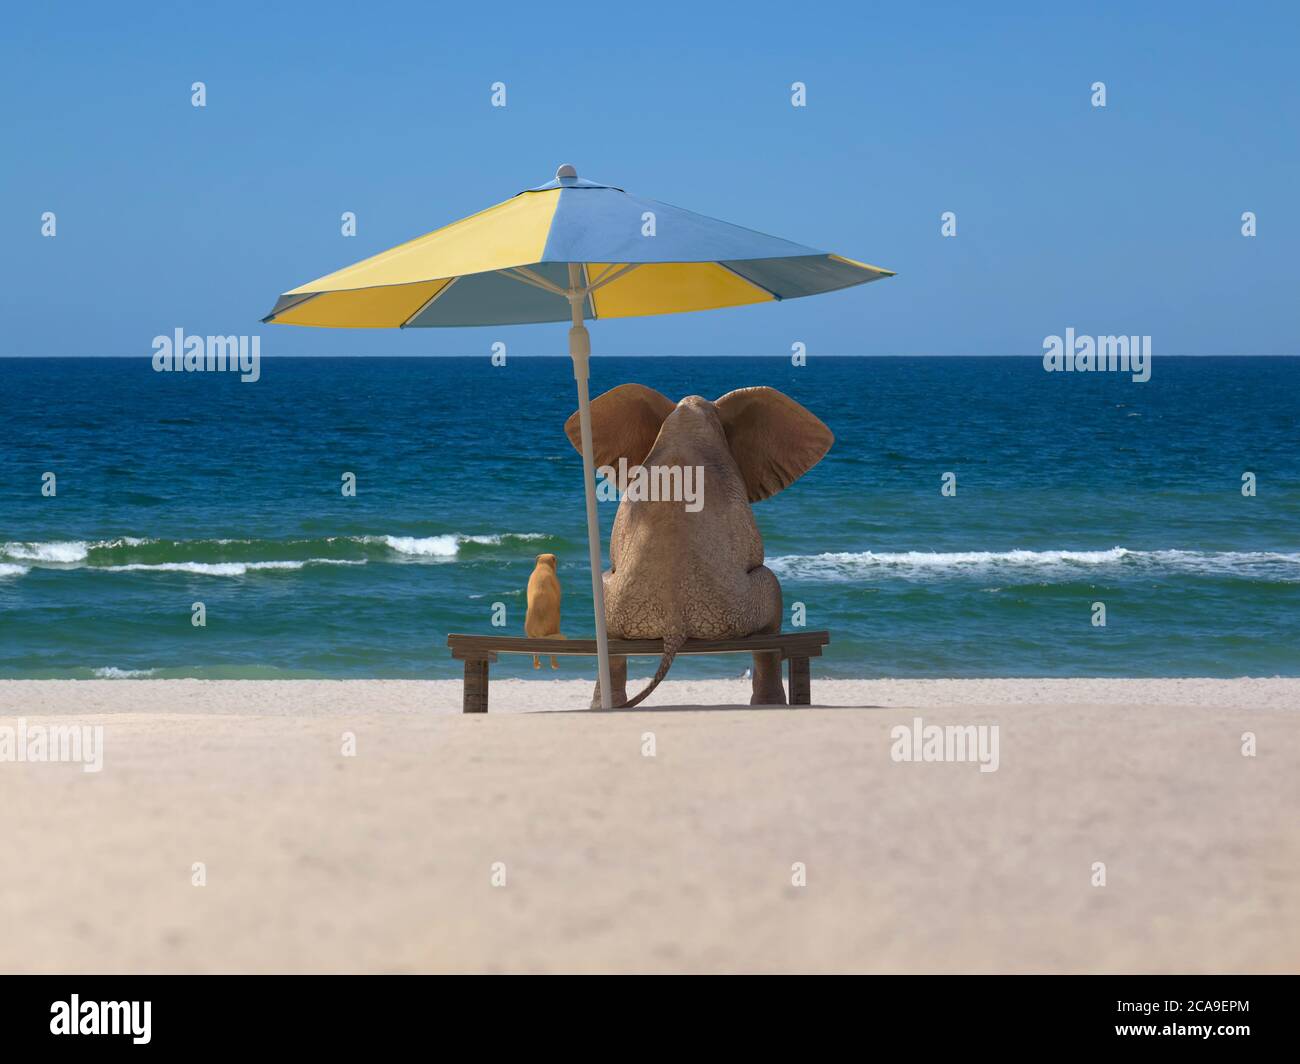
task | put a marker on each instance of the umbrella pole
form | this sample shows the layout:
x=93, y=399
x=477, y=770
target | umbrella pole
x=580, y=352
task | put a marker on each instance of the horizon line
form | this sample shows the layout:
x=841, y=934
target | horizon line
x=783, y=357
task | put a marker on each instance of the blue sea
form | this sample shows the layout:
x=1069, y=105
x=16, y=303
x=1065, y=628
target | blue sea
x=1071, y=489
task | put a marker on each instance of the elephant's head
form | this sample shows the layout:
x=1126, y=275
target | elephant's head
x=771, y=439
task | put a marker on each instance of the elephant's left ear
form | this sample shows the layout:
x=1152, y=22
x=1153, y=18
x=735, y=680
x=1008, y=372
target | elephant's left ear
x=774, y=440
x=625, y=422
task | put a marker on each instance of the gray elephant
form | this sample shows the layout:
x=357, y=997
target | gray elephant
x=693, y=568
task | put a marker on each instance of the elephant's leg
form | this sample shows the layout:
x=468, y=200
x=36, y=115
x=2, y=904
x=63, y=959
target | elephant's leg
x=767, y=687
x=768, y=690
x=617, y=683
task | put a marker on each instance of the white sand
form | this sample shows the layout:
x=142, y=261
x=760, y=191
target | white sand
x=681, y=862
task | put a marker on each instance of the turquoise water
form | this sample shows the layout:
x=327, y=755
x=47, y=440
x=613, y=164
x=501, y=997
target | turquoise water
x=1071, y=489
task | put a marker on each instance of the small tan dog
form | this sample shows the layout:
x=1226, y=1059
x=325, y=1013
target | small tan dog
x=543, y=618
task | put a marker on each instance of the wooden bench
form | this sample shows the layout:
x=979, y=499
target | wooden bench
x=479, y=651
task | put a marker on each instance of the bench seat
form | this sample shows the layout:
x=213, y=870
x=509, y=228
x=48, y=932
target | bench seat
x=479, y=651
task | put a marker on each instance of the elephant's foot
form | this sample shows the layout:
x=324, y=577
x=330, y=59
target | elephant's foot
x=766, y=605
x=619, y=698
x=767, y=687
x=617, y=684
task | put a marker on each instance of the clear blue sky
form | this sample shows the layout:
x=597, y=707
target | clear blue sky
x=1117, y=220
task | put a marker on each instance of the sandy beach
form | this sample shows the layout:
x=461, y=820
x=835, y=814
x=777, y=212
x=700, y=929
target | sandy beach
x=540, y=837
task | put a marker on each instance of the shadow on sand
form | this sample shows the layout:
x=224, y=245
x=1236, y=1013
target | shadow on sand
x=729, y=708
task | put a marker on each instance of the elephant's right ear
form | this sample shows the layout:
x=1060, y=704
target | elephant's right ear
x=625, y=423
x=774, y=440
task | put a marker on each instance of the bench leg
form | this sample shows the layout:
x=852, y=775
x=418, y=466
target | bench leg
x=476, y=686
x=800, y=682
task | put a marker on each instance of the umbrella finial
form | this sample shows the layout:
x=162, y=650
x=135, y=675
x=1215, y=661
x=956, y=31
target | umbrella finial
x=566, y=170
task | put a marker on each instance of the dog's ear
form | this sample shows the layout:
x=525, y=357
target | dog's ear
x=774, y=440
x=625, y=422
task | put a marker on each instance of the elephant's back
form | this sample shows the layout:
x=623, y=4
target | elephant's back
x=677, y=570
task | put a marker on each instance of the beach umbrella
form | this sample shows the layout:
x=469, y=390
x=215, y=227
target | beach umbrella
x=569, y=250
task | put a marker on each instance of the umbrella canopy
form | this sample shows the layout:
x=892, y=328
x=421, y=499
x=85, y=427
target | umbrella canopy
x=569, y=250
x=467, y=273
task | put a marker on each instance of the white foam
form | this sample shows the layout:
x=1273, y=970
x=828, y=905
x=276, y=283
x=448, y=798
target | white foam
x=1221, y=561
x=445, y=546
x=64, y=551
x=12, y=570
x=111, y=673
x=76, y=552
x=937, y=564
x=222, y=568
x=419, y=546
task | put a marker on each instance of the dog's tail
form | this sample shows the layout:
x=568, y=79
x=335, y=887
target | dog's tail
x=672, y=644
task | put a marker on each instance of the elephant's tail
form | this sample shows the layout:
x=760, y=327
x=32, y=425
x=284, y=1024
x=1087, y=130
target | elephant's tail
x=672, y=643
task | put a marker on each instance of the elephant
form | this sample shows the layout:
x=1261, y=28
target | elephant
x=682, y=569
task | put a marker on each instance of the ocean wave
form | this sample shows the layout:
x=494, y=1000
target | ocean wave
x=109, y=672
x=419, y=546
x=920, y=565
x=445, y=546
x=230, y=556
x=223, y=568
x=63, y=551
